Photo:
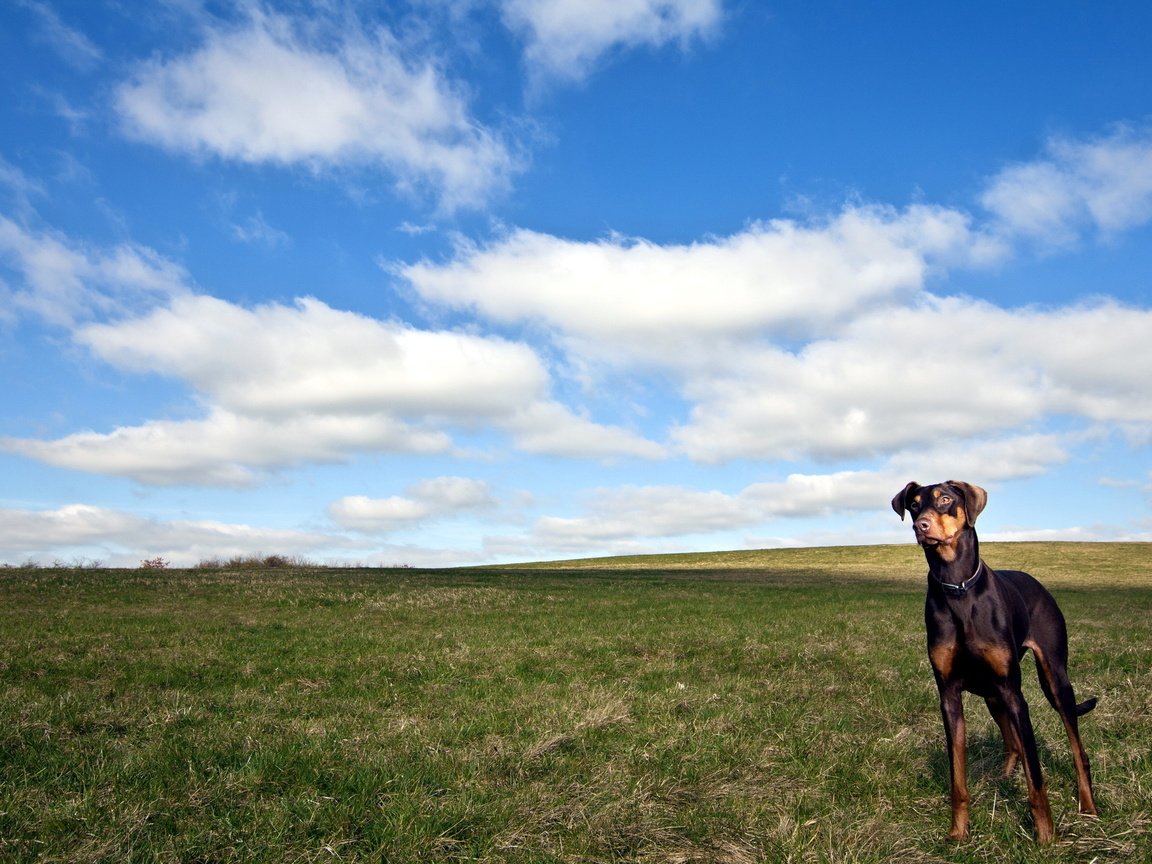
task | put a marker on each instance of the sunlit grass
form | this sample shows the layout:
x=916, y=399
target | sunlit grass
x=740, y=708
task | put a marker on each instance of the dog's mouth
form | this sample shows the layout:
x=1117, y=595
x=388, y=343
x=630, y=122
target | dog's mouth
x=929, y=540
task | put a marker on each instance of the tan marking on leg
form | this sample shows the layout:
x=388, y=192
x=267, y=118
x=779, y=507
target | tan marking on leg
x=1041, y=814
x=998, y=657
x=960, y=796
x=942, y=657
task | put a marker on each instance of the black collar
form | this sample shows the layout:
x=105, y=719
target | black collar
x=959, y=590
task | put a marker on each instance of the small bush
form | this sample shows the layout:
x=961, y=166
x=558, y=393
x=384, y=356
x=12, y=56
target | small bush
x=80, y=563
x=29, y=564
x=156, y=563
x=257, y=561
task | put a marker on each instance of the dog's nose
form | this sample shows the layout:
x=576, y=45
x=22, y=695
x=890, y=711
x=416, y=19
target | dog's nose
x=923, y=525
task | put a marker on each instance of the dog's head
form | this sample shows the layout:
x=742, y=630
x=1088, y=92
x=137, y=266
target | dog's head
x=940, y=512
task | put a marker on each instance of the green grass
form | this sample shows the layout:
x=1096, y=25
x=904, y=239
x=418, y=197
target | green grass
x=739, y=707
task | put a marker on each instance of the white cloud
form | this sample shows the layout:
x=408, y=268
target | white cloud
x=565, y=38
x=277, y=359
x=116, y=538
x=264, y=93
x=446, y=494
x=621, y=520
x=948, y=368
x=72, y=46
x=819, y=341
x=71, y=525
x=377, y=515
x=1104, y=184
x=256, y=231
x=437, y=498
x=985, y=460
x=549, y=428
x=19, y=186
x=786, y=341
x=650, y=511
x=670, y=304
x=228, y=449
x=285, y=385
x=992, y=460
x=64, y=283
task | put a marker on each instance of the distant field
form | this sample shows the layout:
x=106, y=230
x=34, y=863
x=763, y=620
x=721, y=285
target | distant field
x=1072, y=564
x=735, y=707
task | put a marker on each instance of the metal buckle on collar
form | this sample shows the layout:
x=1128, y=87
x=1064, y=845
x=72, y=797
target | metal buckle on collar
x=954, y=590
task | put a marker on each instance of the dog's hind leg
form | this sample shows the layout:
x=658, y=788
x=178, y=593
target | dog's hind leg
x=1052, y=670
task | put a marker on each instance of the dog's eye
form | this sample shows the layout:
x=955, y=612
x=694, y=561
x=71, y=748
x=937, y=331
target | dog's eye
x=945, y=499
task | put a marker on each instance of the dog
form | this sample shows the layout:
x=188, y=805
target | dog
x=980, y=621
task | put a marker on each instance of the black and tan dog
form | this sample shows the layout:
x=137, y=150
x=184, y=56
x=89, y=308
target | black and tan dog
x=980, y=621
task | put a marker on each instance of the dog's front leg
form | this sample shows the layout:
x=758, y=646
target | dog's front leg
x=1012, y=745
x=952, y=711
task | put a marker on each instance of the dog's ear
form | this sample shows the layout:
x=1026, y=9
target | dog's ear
x=974, y=499
x=900, y=502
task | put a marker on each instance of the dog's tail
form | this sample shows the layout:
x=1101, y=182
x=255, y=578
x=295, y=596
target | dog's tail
x=1085, y=706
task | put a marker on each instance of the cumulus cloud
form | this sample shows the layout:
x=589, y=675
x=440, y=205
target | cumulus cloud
x=65, y=283
x=226, y=448
x=1103, y=184
x=823, y=340
x=311, y=357
x=266, y=93
x=621, y=514
x=621, y=520
x=565, y=38
x=623, y=296
x=437, y=498
x=550, y=428
x=122, y=539
x=286, y=385
x=946, y=367
x=992, y=459
x=786, y=341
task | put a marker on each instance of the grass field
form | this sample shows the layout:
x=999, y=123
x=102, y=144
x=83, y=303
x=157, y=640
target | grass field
x=741, y=707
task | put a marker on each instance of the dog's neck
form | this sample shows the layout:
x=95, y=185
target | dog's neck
x=955, y=563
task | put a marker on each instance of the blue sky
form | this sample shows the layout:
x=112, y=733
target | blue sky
x=475, y=281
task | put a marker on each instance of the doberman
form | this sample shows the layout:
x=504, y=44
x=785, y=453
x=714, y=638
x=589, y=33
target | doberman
x=980, y=621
